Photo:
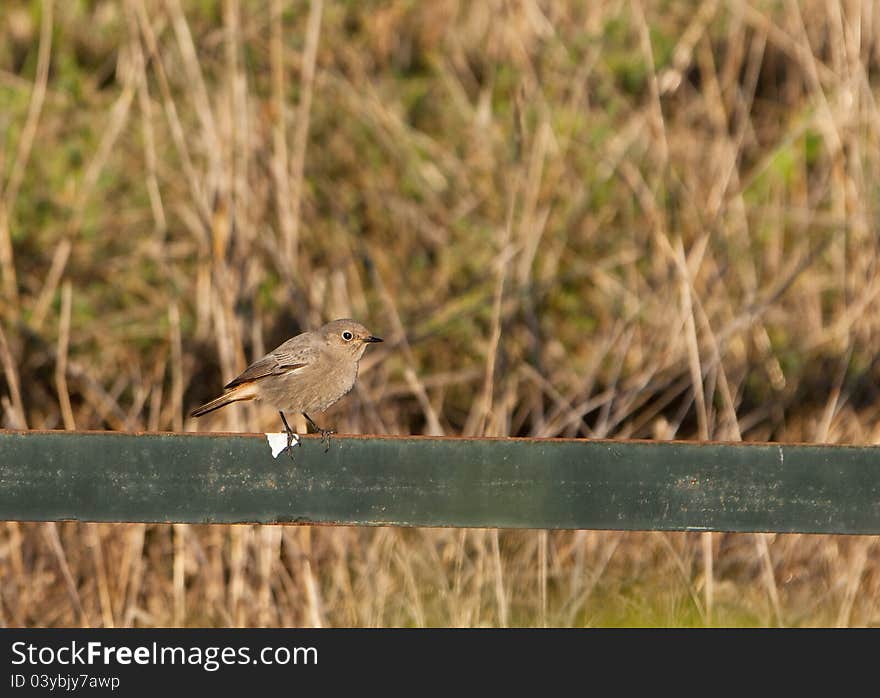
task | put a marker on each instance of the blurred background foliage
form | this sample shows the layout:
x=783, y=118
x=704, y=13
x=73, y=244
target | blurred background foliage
x=629, y=219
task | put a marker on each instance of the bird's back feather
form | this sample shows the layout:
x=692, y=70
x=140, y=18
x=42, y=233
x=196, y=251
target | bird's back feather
x=296, y=353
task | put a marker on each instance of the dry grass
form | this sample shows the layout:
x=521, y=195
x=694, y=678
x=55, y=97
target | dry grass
x=614, y=218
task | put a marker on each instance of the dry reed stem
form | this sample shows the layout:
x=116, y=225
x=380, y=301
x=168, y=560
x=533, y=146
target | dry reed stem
x=50, y=532
x=237, y=563
x=303, y=548
x=501, y=598
x=100, y=572
x=682, y=568
x=171, y=112
x=769, y=576
x=656, y=110
x=145, y=106
x=130, y=573
x=179, y=535
x=61, y=359
x=280, y=157
x=702, y=418
x=767, y=118
x=478, y=420
x=177, y=407
x=582, y=591
x=399, y=340
x=856, y=570
x=18, y=416
x=542, y=576
x=290, y=244
x=269, y=559
x=199, y=92
x=25, y=145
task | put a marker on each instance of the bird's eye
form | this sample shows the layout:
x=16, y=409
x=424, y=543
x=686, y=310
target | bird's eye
x=347, y=336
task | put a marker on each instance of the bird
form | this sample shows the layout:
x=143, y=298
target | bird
x=307, y=373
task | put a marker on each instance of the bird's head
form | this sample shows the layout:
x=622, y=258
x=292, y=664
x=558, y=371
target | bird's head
x=348, y=336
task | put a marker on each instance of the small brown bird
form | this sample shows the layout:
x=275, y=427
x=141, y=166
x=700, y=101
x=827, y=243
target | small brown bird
x=307, y=373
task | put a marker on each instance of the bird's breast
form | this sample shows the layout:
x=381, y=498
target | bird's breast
x=311, y=389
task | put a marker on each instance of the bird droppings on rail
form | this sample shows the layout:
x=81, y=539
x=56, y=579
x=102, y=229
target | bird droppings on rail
x=278, y=442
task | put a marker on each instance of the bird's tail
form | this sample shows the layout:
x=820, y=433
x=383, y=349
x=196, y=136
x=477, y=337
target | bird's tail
x=237, y=394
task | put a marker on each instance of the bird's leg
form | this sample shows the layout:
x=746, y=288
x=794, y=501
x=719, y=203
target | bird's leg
x=325, y=433
x=291, y=435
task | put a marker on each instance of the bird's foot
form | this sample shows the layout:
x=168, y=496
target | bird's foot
x=292, y=440
x=292, y=436
x=326, y=435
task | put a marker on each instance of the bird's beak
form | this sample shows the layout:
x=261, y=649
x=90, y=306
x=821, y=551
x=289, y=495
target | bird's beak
x=371, y=338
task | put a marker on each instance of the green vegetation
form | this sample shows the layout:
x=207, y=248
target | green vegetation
x=657, y=190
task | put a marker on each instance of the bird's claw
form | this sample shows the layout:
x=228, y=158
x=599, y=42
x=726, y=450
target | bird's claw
x=326, y=435
x=292, y=440
x=292, y=436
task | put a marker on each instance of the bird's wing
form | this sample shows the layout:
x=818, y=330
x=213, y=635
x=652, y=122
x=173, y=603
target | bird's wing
x=290, y=356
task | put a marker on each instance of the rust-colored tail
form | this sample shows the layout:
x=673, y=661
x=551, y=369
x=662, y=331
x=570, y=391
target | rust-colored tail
x=230, y=396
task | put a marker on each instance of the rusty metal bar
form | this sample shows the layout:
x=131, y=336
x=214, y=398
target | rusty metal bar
x=421, y=481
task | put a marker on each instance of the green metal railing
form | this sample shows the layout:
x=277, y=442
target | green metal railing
x=422, y=481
